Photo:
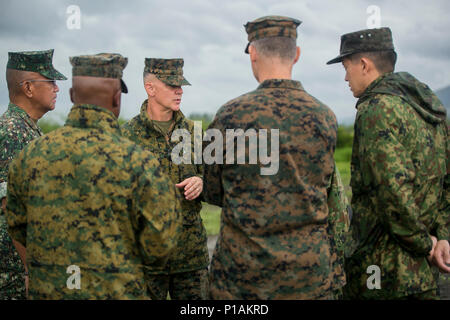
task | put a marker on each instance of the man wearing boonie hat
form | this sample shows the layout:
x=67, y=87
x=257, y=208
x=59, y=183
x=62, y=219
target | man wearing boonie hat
x=93, y=209
x=185, y=276
x=274, y=237
x=31, y=80
x=400, y=174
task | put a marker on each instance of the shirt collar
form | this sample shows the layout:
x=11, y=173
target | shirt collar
x=370, y=87
x=376, y=82
x=92, y=116
x=15, y=109
x=145, y=119
x=281, y=83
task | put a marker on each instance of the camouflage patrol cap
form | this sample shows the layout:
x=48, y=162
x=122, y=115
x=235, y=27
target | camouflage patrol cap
x=271, y=26
x=367, y=40
x=102, y=65
x=169, y=71
x=35, y=61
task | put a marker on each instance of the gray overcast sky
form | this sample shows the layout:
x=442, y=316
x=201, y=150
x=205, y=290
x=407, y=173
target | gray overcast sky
x=210, y=36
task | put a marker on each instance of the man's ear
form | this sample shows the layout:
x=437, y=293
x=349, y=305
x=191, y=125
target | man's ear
x=253, y=53
x=366, y=65
x=27, y=89
x=71, y=95
x=297, y=54
x=149, y=88
x=115, y=108
x=116, y=99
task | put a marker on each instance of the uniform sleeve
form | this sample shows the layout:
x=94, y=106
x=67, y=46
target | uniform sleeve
x=198, y=136
x=156, y=213
x=15, y=208
x=199, y=173
x=387, y=163
x=199, y=170
x=443, y=222
x=212, y=176
x=199, y=167
x=11, y=142
x=338, y=212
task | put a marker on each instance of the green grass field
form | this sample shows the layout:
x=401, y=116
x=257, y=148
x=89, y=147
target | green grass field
x=343, y=157
x=211, y=218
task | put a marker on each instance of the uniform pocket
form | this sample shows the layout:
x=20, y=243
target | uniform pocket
x=191, y=211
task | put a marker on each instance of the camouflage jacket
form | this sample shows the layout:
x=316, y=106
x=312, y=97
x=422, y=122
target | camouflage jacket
x=191, y=252
x=399, y=167
x=274, y=240
x=85, y=196
x=17, y=129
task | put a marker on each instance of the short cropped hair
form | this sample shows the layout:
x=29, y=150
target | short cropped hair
x=283, y=47
x=145, y=75
x=14, y=78
x=384, y=61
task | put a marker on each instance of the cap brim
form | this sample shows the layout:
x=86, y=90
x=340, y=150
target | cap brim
x=246, y=48
x=53, y=74
x=185, y=83
x=341, y=57
x=123, y=86
x=335, y=60
x=176, y=81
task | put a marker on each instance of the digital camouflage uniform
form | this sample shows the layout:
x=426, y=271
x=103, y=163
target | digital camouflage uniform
x=400, y=181
x=12, y=271
x=17, y=129
x=185, y=276
x=339, y=214
x=85, y=196
x=274, y=240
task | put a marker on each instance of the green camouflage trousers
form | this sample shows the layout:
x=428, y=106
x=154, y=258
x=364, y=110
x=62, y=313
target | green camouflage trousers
x=180, y=286
x=427, y=295
x=12, y=271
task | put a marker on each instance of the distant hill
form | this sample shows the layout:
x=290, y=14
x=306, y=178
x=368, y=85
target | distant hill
x=444, y=95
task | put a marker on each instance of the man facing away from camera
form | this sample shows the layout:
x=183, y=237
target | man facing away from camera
x=275, y=240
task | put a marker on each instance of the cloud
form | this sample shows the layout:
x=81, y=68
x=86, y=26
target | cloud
x=210, y=36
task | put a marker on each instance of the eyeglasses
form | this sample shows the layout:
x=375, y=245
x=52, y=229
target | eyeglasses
x=52, y=82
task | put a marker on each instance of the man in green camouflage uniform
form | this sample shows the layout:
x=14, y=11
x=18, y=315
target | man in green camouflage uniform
x=85, y=200
x=400, y=174
x=274, y=240
x=185, y=277
x=32, y=90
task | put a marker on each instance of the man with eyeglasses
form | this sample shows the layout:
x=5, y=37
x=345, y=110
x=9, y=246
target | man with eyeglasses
x=31, y=80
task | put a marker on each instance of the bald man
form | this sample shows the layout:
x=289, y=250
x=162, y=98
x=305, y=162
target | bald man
x=31, y=80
